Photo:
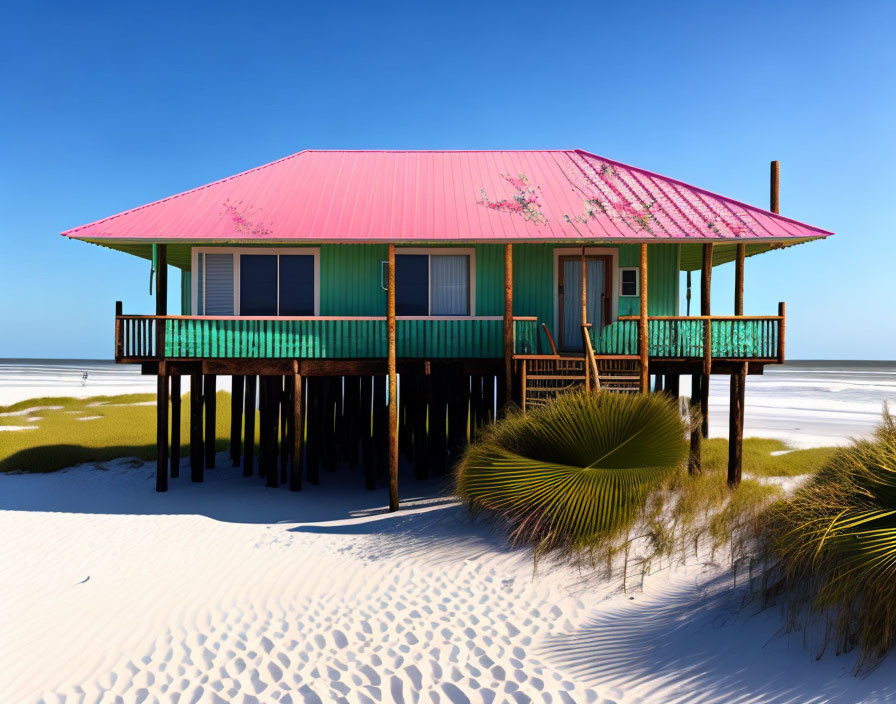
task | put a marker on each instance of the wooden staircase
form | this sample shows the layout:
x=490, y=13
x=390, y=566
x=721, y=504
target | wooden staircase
x=544, y=377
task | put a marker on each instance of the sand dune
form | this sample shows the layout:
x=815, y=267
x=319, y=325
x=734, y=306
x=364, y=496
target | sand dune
x=231, y=592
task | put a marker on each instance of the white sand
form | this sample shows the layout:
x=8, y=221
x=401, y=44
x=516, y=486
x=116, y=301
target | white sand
x=228, y=591
x=231, y=592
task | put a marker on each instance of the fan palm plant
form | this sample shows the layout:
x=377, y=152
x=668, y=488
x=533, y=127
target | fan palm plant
x=576, y=470
x=834, y=544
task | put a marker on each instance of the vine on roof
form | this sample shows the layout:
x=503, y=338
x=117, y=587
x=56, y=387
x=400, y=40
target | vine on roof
x=525, y=201
x=239, y=218
x=605, y=197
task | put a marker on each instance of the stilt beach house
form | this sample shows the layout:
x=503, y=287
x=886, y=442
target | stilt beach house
x=383, y=304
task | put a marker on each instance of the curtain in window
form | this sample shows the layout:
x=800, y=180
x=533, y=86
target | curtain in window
x=449, y=284
x=219, y=284
x=572, y=300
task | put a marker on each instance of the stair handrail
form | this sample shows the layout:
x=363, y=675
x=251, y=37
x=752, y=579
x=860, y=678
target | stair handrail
x=590, y=360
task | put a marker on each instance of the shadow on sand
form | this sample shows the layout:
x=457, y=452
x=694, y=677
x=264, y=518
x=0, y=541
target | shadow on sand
x=127, y=486
x=682, y=647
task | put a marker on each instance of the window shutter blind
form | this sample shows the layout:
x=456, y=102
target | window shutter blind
x=218, y=284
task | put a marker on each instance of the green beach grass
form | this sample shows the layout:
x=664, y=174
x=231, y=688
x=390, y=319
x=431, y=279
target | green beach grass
x=71, y=431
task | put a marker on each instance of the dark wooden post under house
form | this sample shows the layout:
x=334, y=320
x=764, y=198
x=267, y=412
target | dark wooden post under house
x=211, y=413
x=197, y=467
x=162, y=378
x=393, y=383
x=249, y=396
x=705, y=310
x=297, y=433
x=175, y=425
x=236, y=417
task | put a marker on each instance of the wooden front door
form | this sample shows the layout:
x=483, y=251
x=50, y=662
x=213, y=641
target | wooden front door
x=599, y=280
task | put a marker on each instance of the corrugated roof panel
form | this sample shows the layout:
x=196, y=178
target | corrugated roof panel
x=382, y=196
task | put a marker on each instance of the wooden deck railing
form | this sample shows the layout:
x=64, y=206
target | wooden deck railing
x=312, y=337
x=725, y=336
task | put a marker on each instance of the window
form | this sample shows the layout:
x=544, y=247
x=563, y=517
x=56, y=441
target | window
x=258, y=284
x=255, y=282
x=432, y=284
x=628, y=282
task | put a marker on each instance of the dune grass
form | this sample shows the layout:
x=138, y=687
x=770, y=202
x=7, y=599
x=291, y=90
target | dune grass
x=832, y=548
x=70, y=431
x=759, y=460
x=576, y=471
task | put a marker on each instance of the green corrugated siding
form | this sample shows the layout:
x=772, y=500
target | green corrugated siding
x=350, y=285
x=350, y=279
x=662, y=279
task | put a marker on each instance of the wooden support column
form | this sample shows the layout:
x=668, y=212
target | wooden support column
x=670, y=386
x=705, y=309
x=237, y=385
x=508, y=322
x=162, y=429
x=736, y=425
x=175, y=426
x=421, y=439
x=695, y=465
x=643, y=329
x=274, y=390
x=368, y=446
x=196, y=452
x=249, y=424
x=210, y=397
x=162, y=379
x=297, y=434
x=393, y=383
x=285, y=408
x=739, y=278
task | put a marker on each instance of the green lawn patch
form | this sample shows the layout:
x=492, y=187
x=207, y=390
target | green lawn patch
x=70, y=431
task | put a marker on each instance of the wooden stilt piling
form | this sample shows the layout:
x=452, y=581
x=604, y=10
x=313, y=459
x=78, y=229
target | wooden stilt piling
x=274, y=391
x=368, y=449
x=296, y=436
x=175, y=426
x=736, y=425
x=695, y=460
x=421, y=439
x=237, y=385
x=197, y=454
x=162, y=431
x=249, y=424
x=211, y=413
x=285, y=410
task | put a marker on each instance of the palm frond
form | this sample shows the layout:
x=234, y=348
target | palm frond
x=575, y=470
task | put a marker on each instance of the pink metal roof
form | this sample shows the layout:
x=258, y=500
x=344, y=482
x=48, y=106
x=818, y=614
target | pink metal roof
x=393, y=196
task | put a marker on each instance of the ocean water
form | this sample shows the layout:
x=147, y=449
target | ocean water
x=806, y=403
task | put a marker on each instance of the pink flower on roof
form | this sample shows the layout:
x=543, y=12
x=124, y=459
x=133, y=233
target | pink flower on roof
x=241, y=223
x=604, y=196
x=525, y=201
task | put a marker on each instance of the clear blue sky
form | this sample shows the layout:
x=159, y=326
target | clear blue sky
x=109, y=106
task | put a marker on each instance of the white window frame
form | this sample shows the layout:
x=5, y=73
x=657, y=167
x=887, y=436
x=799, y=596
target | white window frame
x=237, y=252
x=465, y=251
x=637, y=271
